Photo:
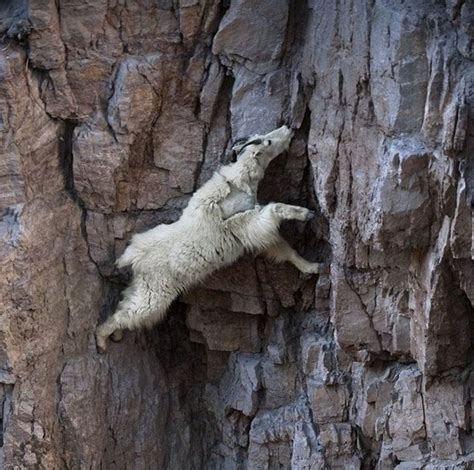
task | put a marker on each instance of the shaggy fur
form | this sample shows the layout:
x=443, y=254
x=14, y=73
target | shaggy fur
x=220, y=224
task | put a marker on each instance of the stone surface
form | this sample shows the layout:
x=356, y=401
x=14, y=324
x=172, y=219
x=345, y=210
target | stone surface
x=113, y=113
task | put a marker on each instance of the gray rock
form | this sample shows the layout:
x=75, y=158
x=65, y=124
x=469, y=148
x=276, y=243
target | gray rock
x=113, y=113
x=240, y=385
x=243, y=23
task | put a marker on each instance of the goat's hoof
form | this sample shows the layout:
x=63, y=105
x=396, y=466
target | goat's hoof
x=101, y=344
x=324, y=268
x=316, y=268
x=301, y=213
x=321, y=268
x=309, y=215
x=117, y=336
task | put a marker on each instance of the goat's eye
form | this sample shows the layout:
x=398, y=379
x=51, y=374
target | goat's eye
x=268, y=142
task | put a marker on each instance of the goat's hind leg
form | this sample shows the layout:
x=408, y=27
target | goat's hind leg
x=140, y=307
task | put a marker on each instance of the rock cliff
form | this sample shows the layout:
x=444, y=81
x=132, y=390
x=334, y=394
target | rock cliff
x=113, y=112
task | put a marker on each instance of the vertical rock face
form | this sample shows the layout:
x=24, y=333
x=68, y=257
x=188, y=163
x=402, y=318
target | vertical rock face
x=112, y=113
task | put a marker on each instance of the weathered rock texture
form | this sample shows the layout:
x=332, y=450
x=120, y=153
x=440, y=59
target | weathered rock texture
x=113, y=112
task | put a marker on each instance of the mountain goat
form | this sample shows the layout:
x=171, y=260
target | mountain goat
x=221, y=222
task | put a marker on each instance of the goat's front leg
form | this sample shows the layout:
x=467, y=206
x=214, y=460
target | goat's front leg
x=257, y=229
x=281, y=252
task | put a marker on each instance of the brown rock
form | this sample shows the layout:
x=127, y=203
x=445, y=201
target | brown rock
x=113, y=113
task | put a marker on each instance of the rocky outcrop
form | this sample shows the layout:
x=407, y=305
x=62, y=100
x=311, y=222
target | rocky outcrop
x=112, y=113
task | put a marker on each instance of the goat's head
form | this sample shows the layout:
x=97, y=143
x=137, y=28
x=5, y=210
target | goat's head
x=264, y=147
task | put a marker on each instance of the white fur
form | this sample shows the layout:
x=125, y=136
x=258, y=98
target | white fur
x=220, y=224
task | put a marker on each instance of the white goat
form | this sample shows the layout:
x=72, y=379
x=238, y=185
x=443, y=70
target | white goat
x=221, y=222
